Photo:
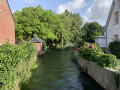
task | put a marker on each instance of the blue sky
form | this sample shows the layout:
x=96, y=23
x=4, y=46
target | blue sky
x=90, y=10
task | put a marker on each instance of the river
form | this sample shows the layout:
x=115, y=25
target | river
x=57, y=71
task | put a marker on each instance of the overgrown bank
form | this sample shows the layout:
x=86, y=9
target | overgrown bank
x=103, y=68
x=16, y=62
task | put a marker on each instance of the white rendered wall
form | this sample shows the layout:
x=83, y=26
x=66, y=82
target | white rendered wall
x=113, y=28
x=101, y=41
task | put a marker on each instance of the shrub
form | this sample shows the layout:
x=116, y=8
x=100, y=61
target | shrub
x=93, y=53
x=114, y=48
x=10, y=58
x=90, y=52
x=44, y=46
x=108, y=60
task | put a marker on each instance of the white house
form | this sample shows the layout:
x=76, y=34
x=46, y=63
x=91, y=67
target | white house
x=112, y=28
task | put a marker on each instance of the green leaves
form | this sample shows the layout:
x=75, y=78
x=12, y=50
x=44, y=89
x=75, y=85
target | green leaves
x=114, y=48
x=108, y=60
x=93, y=53
x=91, y=30
x=34, y=21
x=11, y=56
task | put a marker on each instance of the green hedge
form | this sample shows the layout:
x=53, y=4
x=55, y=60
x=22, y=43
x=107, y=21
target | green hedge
x=108, y=60
x=11, y=56
x=114, y=48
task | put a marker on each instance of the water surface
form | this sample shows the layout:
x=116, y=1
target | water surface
x=57, y=71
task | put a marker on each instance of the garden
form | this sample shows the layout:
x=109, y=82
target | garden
x=92, y=52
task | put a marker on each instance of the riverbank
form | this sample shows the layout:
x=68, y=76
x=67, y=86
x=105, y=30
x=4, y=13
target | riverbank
x=109, y=79
x=17, y=61
x=103, y=68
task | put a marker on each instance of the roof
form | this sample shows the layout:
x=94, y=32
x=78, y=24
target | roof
x=100, y=36
x=110, y=13
x=36, y=40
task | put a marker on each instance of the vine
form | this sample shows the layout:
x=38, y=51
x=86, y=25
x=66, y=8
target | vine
x=117, y=79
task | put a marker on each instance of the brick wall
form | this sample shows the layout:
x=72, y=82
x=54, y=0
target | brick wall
x=7, y=30
x=39, y=48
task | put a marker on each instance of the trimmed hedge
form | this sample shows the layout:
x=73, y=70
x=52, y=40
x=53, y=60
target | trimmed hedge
x=114, y=48
x=11, y=57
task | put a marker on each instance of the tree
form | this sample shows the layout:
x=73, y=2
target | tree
x=91, y=30
x=72, y=24
x=53, y=29
x=32, y=21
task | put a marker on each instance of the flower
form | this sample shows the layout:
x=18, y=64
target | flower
x=92, y=46
x=102, y=52
x=89, y=49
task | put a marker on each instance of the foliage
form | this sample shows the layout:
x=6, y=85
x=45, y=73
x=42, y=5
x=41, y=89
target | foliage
x=90, y=51
x=11, y=56
x=93, y=53
x=91, y=30
x=114, y=48
x=117, y=79
x=80, y=42
x=108, y=60
x=44, y=46
x=36, y=21
x=71, y=26
x=50, y=27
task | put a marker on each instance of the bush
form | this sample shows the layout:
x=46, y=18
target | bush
x=10, y=58
x=90, y=52
x=108, y=60
x=114, y=48
x=93, y=53
x=44, y=46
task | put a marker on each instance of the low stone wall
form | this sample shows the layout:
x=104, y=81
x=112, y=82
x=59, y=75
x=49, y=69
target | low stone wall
x=106, y=77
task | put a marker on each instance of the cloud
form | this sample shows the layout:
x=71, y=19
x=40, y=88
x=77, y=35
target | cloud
x=98, y=11
x=71, y=6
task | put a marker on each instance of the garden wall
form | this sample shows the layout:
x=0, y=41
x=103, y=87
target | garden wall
x=107, y=78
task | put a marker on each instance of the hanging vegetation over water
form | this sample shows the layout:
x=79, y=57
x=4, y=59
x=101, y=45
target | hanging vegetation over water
x=53, y=28
x=16, y=62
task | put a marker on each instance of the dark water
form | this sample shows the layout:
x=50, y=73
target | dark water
x=57, y=71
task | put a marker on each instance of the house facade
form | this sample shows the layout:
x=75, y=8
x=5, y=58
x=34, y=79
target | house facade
x=7, y=25
x=113, y=23
x=112, y=28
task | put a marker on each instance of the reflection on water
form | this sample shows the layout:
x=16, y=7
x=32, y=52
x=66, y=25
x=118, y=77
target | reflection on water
x=57, y=71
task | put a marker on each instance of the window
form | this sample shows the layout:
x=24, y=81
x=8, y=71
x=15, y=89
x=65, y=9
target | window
x=116, y=17
x=116, y=37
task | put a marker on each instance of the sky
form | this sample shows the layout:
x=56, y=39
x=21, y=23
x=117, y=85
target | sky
x=89, y=10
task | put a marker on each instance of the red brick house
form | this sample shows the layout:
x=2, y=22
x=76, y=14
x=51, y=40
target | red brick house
x=7, y=25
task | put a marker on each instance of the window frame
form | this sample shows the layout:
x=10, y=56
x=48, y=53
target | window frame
x=116, y=37
x=116, y=17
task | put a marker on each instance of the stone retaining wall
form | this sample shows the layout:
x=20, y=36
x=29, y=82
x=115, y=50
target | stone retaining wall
x=104, y=76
